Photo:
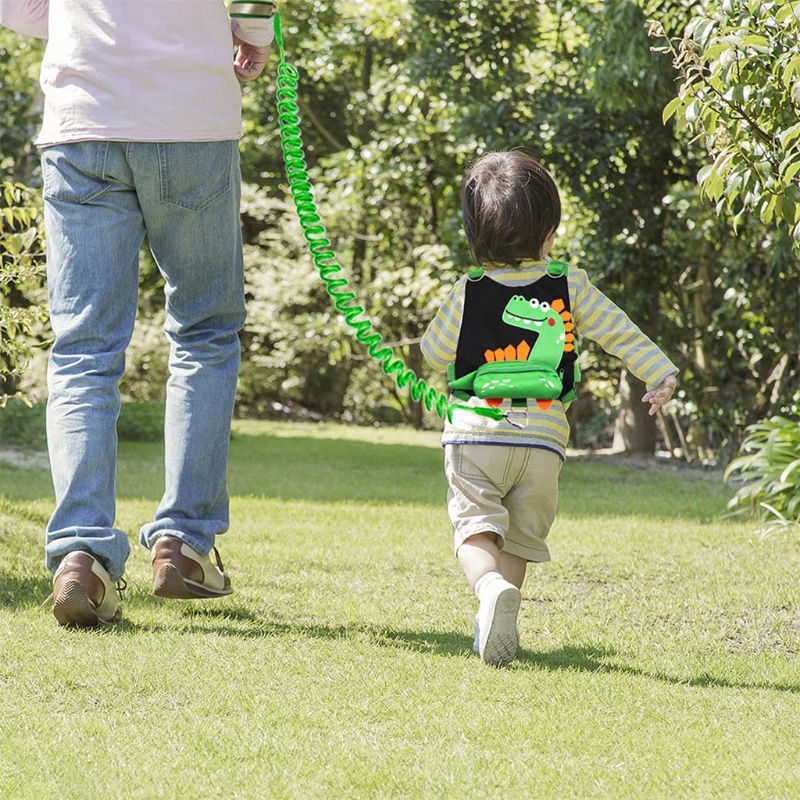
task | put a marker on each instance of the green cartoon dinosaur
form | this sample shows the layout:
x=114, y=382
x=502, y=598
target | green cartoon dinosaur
x=525, y=371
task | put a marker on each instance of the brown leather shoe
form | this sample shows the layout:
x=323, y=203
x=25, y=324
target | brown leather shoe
x=84, y=593
x=181, y=573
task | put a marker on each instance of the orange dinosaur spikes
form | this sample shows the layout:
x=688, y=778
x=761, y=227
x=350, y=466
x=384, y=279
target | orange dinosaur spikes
x=569, y=339
x=509, y=353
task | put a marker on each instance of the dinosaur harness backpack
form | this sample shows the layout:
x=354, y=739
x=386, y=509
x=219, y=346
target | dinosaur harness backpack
x=516, y=342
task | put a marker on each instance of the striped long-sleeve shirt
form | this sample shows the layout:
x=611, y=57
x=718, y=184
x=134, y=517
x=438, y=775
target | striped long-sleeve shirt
x=594, y=317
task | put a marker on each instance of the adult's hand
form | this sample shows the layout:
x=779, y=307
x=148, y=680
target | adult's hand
x=250, y=60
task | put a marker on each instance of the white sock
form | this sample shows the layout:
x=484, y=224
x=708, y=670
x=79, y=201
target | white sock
x=486, y=579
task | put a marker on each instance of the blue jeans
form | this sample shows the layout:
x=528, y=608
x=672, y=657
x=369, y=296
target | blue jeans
x=101, y=199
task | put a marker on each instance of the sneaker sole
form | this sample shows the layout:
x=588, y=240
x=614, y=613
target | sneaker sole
x=169, y=583
x=502, y=639
x=73, y=607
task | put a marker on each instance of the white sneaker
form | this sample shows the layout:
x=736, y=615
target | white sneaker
x=498, y=638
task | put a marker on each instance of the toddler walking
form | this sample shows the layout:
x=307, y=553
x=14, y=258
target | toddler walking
x=507, y=336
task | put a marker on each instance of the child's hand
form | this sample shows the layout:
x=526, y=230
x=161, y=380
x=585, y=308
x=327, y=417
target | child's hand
x=658, y=396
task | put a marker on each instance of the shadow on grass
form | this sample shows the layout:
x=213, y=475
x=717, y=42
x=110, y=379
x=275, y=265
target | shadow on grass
x=594, y=658
x=241, y=622
x=238, y=621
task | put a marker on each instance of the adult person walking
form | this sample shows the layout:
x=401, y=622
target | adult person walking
x=139, y=138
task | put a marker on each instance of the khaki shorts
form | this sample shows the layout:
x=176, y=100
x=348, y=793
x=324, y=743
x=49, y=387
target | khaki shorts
x=510, y=491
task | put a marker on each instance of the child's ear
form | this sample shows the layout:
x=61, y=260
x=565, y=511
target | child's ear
x=548, y=243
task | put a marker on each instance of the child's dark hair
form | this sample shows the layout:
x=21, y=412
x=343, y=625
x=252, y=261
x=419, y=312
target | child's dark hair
x=511, y=207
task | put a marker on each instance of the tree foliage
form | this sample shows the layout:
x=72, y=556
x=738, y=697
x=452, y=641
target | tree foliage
x=429, y=86
x=396, y=97
x=19, y=64
x=22, y=306
x=23, y=309
x=740, y=91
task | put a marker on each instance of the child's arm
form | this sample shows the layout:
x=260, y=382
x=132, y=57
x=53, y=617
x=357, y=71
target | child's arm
x=440, y=341
x=29, y=17
x=602, y=321
x=661, y=394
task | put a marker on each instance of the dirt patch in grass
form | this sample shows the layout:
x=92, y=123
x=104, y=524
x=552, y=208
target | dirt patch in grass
x=650, y=463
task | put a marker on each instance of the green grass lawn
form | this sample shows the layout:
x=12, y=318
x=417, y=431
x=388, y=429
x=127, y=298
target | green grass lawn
x=659, y=652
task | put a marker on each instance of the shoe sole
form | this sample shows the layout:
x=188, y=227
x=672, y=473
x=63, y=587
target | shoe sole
x=169, y=583
x=502, y=639
x=74, y=608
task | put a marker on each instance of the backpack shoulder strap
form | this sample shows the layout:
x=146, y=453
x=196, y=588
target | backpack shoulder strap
x=555, y=269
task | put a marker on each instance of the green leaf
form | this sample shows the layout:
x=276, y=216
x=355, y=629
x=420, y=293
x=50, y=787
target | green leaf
x=787, y=210
x=758, y=42
x=789, y=72
x=702, y=31
x=784, y=12
x=671, y=108
x=787, y=136
x=795, y=465
x=789, y=167
x=704, y=173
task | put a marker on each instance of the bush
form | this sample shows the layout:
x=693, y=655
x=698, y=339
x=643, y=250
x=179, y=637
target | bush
x=24, y=425
x=23, y=307
x=769, y=468
x=141, y=422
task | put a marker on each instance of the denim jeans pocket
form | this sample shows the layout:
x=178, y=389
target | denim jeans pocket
x=195, y=174
x=74, y=172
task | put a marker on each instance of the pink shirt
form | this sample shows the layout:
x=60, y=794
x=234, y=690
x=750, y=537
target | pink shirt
x=136, y=70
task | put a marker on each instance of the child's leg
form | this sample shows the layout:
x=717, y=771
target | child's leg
x=476, y=477
x=479, y=555
x=513, y=568
x=496, y=636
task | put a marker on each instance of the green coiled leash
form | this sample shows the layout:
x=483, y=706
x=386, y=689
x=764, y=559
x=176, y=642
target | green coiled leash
x=325, y=259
